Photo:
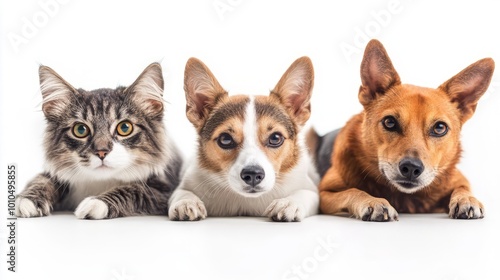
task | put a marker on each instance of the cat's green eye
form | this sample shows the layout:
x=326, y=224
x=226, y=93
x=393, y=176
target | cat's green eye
x=124, y=128
x=81, y=130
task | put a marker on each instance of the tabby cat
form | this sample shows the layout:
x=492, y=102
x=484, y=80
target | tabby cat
x=107, y=151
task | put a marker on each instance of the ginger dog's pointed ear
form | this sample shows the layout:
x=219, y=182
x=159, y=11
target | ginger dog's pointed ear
x=294, y=89
x=466, y=87
x=203, y=91
x=377, y=73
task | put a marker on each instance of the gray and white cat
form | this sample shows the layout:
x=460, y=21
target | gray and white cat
x=107, y=151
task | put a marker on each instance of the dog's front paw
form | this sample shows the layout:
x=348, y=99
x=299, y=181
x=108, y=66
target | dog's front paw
x=92, y=208
x=285, y=210
x=26, y=208
x=376, y=210
x=466, y=207
x=187, y=210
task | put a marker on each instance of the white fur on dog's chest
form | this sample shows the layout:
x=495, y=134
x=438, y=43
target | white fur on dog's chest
x=222, y=201
x=232, y=204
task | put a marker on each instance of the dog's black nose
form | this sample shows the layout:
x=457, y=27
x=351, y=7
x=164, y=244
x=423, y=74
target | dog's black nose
x=252, y=175
x=411, y=168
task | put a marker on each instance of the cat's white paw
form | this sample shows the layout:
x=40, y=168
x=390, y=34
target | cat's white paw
x=285, y=210
x=92, y=208
x=187, y=210
x=25, y=208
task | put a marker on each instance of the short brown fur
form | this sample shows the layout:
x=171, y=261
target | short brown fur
x=213, y=112
x=285, y=158
x=355, y=182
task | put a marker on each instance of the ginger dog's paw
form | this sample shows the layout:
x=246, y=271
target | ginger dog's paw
x=92, y=208
x=466, y=207
x=377, y=210
x=187, y=210
x=285, y=210
x=26, y=208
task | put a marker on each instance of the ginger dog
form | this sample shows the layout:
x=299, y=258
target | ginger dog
x=400, y=153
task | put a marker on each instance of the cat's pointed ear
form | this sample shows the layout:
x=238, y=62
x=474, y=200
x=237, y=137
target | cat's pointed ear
x=147, y=90
x=294, y=89
x=377, y=73
x=466, y=87
x=203, y=91
x=56, y=92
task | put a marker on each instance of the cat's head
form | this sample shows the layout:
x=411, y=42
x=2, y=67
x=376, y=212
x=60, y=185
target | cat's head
x=104, y=133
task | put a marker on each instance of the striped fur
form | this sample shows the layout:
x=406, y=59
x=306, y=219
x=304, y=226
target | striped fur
x=138, y=172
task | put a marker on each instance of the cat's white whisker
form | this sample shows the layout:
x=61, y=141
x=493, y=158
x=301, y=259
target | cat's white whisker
x=109, y=144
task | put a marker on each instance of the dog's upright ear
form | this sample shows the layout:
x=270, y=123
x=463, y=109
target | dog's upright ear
x=377, y=73
x=466, y=87
x=294, y=89
x=203, y=91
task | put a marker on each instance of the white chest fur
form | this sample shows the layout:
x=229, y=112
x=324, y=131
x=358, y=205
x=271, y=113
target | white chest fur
x=221, y=200
x=78, y=191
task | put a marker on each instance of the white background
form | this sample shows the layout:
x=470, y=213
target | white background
x=96, y=44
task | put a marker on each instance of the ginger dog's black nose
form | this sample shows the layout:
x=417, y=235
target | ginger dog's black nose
x=253, y=175
x=411, y=168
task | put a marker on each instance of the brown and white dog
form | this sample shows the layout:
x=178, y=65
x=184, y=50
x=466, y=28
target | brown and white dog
x=251, y=157
x=400, y=153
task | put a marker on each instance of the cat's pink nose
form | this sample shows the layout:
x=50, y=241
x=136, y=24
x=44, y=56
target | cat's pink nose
x=102, y=153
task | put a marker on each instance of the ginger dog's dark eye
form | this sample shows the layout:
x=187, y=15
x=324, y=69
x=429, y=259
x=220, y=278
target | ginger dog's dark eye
x=225, y=141
x=439, y=129
x=390, y=123
x=275, y=140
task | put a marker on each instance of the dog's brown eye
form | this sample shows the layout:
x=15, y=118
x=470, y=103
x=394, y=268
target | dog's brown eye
x=225, y=141
x=390, y=123
x=275, y=140
x=439, y=129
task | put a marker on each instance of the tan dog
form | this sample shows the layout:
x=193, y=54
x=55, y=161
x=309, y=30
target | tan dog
x=400, y=153
x=251, y=158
